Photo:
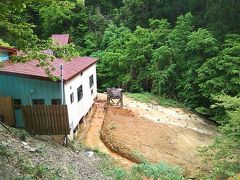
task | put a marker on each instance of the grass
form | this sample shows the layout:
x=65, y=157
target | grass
x=146, y=97
x=113, y=126
x=25, y=166
x=38, y=171
x=144, y=170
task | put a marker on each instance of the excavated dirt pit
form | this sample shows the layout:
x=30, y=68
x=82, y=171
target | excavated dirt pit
x=151, y=132
x=132, y=136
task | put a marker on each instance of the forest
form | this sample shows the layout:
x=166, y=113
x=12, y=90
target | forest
x=186, y=50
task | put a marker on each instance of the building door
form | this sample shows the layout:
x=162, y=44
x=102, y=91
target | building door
x=19, y=118
x=18, y=113
x=6, y=110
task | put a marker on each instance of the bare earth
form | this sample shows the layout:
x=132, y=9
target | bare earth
x=155, y=132
x=93, y=138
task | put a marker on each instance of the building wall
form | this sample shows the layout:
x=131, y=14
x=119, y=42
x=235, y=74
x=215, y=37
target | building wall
x=78, y=109
x=27, y=89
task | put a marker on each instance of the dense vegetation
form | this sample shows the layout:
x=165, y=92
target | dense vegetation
x=186, y=50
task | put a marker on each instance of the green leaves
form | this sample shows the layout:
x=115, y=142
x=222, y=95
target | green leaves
x=224, y=153
x=221, y=73
x=56, y=17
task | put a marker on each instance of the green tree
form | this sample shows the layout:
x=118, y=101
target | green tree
x=56, y=17
x=224, y=153
x=220, y=74
x=14, y=28
x=201, y=46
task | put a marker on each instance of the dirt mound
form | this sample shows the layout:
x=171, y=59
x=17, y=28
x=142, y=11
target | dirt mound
x=133, y=136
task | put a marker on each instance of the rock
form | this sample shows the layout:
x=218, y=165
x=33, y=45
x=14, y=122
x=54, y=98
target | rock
x=32, y=150
x=26, y=147
x=4, y=143
x=191, y=177
x=39, y=150
x=89, y=153
x=24, y=143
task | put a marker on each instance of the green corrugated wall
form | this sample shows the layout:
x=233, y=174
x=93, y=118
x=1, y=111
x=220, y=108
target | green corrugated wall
x=27, y=89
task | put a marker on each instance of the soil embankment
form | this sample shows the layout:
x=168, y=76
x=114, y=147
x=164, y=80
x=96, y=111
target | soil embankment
x=133, y=136
x=151, y=132
x=93, y=137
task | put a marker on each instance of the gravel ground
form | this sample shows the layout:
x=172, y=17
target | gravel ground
x=35, y=151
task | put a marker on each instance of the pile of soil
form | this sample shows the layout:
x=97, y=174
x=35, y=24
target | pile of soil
x=133, y=136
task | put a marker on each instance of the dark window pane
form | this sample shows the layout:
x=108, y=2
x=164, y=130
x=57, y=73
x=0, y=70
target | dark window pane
x=71, y=97
x=56, y=101
x=80, y=92
x=17, y=102
x=91, y=82
x=38, y=101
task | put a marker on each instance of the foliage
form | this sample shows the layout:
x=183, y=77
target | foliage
x=39, y=171
x=25, y=166
x=2, y=43
x=140, y=171
x=38, y=53
x=56, y=16
x=153, y=99
x=14, y=28
x=220, y=74
x=5, y=153
x=224, y=153
x=156, y=171
x=186, y=50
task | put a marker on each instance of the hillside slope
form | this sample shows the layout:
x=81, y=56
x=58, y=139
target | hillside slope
x=36, y=158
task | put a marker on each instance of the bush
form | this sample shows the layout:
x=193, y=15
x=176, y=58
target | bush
x=155, y=171
x=224, y=153
x=146, y=169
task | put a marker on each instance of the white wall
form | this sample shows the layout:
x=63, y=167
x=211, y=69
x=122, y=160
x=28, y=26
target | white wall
x=77, y=110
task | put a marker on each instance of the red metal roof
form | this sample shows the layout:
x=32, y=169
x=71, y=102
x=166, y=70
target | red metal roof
x=61, y=39
x=30, y=69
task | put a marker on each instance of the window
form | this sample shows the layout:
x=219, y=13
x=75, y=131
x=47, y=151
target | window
x=17, y=102
x=80, y=92
x=91, y=81
x=56, y=101
x=38, y=101
x=71, y=97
